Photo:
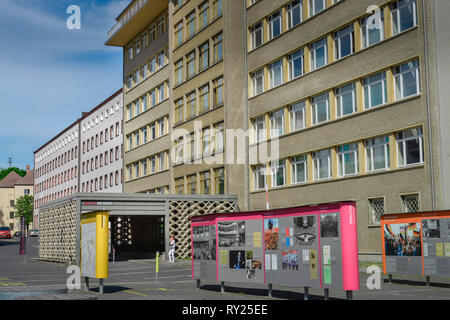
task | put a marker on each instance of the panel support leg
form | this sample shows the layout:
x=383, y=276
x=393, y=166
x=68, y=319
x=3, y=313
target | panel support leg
x=100, y=287
x=349, y=295
x=428, y=281
x=222, y=287
x=86, y=283
x=326, y=294
x=198, y=283
x=306, y=295
x=270, y=290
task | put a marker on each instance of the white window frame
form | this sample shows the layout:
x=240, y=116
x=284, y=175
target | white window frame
x=401, y=146
x=365, y=30
x=341, y=153
x=259, y=135
x=314, y=109
x=259, y=171
x=273, y=68
x=395, y=12
x=338, y=35
x=312, y=7
x=290, y=8
x=270, y=20
x=295, y=162
x=294, y=109
x=292, y=59
x=317, y=157
x=368, y=84
x=370, y=146
x=257, y=28
x=274, y=168
x=339, y=93
x=274, y=116
x=412, y=67
x=322, y=43
x=255, y=76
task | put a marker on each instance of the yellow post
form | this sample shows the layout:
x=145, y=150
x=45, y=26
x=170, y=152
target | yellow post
x=101, y=266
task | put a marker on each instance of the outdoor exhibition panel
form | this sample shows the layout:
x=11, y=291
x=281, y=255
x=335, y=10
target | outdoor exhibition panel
x=416, y=244
x=204, y=251
x=314, y=246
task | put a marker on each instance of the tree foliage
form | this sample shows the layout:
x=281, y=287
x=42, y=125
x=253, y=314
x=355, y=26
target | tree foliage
x=24, y=207
x=4, y=172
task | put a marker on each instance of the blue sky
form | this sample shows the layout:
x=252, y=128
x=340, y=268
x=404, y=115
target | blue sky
x=50, y=74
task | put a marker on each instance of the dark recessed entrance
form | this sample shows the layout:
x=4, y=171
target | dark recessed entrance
x=137, y=237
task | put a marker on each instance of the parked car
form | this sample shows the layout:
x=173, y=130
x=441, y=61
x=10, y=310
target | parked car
x=33, y=233
x=5, y=233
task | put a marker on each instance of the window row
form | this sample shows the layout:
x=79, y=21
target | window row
x=160, y=190
x=102, y=137
x=150, y=67
x=99, y=118
x=332, y=47
x=363, y=94
x=58, y=179
x=149, y=100
x=196, y=20
x=409, y=203
x=148, y=166
x=62, y=143
x=286, y=18
x=370, y=155
x=59, y=161
x=199, y=59
x=199, y=144
x=206, y=182
x=199, y=101
x=156, y=28
x=153, y=131
x=102, y=182
x=101, y=160
x=55, y=196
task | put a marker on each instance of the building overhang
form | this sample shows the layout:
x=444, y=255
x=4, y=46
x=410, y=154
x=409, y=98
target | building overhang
x=132, y=21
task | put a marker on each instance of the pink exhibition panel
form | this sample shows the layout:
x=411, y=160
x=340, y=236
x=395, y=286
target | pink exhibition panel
x=311, y=246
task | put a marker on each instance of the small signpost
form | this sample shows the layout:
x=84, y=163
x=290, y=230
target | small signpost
x=94, y=247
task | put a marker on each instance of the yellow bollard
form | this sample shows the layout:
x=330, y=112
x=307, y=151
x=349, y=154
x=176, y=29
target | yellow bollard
x=157, y=266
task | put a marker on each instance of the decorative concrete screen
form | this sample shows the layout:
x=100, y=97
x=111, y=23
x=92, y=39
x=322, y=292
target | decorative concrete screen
x=58, y=232
x=416, y=244
x=314, y=246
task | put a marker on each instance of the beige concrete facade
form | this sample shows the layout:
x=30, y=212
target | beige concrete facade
x=412, y=175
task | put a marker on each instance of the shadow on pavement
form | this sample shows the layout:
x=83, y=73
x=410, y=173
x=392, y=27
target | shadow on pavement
x=9, y=242
x=418, y=283
x=282, y=294
x=109, y=289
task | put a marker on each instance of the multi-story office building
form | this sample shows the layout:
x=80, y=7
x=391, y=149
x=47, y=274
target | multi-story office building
x=59, y=162
x=12, y=187
x=144, y=37
x=101, y=147
x=350, y=90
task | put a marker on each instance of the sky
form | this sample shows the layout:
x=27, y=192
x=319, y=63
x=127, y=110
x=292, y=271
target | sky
x=50, y=74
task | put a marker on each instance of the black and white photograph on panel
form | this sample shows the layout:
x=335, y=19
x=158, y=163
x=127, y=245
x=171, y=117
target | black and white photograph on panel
x=231, y=234
x=329, y=225
x=305, y=231
x=251, y=274
x=431, y=229
x=212, y=243
x=237, y=259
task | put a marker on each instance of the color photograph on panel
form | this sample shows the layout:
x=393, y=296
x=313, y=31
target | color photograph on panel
x=403, y=239
x=271, y=233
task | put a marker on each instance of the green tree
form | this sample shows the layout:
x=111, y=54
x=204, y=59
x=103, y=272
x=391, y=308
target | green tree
x=24, y=207
x=5, y=172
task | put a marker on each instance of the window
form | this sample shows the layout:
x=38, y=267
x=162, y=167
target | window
x=274, y=22
x=162, y=92
x=152, y=161
x=192, y=184
x=136, y=108
x=294, y=13
x=130, y=82
x=218, y=47
x=299, y=169
x=137, y=47
x=153, y=33
x=259, y=177
x=179, y=186
x=372, y=30
x=206, y=142
x=145, y=40
x=130, y=144
x=137, y=77
x=320, y=109
x=410, y=147
x=259, y=129
x=190, y=25
x=179, y=151
x=407, y=79
x=161, y=126
x=153, y=100
x=377, y=154
x=316, y=6
x=136, y=139
x=190, y=105
x=258, y=82
x=276, y=74
x=376, y=211
x=205, y=183
x=375, y=92
x=179, y=71
x=218, y=92
x=276, y=123
x=179, y=114
x=318, y=52
x=256, y=33
x=152, y=131
x=348, y=160
x=162, y=59
x=219, y=136
x=190, y=65
x=296, y=64
x=162, y=161
x=219, y=181
x=153, y=65
x=297, y=116
x=322, y=164
x=178, y=33
x=410, y=203
x=204, y=56
x=144, y=103
x=345, y=100
x=136, y=173
x=144, y=135
x=404, y=15
x=162, y=25
x=344, y=40
x=278, y=169
x=204, y=98
x=217, y=8
x=203, y=14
